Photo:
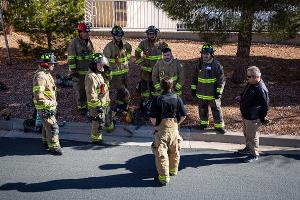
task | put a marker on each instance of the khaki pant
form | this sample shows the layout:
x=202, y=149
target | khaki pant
x=251, y=135
x=96, y=133
x=165, y=147
x=78, y=84
x=50, y=132
x=215, y=106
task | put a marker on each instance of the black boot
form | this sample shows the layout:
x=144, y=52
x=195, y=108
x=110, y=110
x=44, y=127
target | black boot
x=56, y=151
x=220, y=131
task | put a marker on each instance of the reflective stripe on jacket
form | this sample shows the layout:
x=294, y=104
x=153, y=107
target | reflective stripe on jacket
x=147, y=54
x=118, y=58
x=208, y=80
x=79, y=55
x=97, y=91
x=174, y=70
x=44, y=90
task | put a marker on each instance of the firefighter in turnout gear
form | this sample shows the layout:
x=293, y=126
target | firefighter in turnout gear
x=118, y=53
x=97, y=94
x=170, y=67
x=79, y=53
x=207, y=85
x=44, y=91
x=167, y=113
x=147, y=54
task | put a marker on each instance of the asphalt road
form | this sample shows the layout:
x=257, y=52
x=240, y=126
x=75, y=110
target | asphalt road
x=127, y=172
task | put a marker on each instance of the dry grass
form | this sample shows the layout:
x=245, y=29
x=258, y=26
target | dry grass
x=280, y=65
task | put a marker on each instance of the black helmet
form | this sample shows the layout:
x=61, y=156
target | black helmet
x=207, y=48
x=117, y=31
x=48, y=58
x=152, y=30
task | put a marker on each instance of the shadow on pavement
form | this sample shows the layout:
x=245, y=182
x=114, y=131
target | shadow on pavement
x=29, y=146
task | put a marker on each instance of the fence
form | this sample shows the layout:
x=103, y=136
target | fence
x=134, y=15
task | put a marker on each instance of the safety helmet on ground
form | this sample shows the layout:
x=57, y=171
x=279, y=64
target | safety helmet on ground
x=48, y=58
x=83, y=27
x=99, y=58
x=207, y=48
x=152, y=30
x=117, y=31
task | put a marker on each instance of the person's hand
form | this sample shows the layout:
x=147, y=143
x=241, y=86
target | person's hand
x=265, y=121
x=237, y=99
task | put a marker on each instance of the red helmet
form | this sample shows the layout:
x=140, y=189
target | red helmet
x=83, y=27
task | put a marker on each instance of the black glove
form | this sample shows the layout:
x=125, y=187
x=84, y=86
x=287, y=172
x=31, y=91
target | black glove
x=193, y=93
x=218, y=96
x=99, y=110
x=265, y=121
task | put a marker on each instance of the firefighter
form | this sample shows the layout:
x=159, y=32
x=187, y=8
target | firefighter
x=118, y=53
x=207, y=85
x=147, y=54
x=170, y=67
x=44, y=91
x=97, y=93
x=79, y=52
x=167, y=113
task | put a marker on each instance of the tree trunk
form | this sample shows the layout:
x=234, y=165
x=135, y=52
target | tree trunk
x=244, y=44
x=245, y=33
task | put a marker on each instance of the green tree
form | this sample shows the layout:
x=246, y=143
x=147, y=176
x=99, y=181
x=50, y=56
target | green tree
x=282, y=19
x=49, y=23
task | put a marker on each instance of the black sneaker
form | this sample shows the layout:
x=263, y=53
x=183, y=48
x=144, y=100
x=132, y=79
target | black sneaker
x=100, y=142
x=243, y=151
x=56, y=151
x=220, y=131
x=250, y=158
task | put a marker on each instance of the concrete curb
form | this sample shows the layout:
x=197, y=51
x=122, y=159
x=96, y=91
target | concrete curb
x=128, y=133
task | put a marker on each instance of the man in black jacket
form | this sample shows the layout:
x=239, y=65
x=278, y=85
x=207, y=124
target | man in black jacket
x=254, y=105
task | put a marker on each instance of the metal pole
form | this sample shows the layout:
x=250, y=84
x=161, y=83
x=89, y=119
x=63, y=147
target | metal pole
x=8, y=61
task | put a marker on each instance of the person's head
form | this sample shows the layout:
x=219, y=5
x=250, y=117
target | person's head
x=99, y=63
x=117, y=33
x=152, y=32
x=83, y=30
x=207, y=52
x=167, y=54
x=47, y=61
x=253, y=75
x=166, y=84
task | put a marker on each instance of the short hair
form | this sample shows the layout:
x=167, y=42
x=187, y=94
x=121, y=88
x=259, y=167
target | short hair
x=254, y=71
x=167, y=49
x=166, y=83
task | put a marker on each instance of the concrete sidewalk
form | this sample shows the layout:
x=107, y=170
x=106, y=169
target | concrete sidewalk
x=142, y=135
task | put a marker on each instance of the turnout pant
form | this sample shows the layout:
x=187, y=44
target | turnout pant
x=119, y=94
x=165, y=147
x=215, y=106
x=106, y=118
x=78, y=84
x=50, y=132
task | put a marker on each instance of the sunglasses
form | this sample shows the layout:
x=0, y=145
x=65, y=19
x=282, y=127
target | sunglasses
x=248, y=77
